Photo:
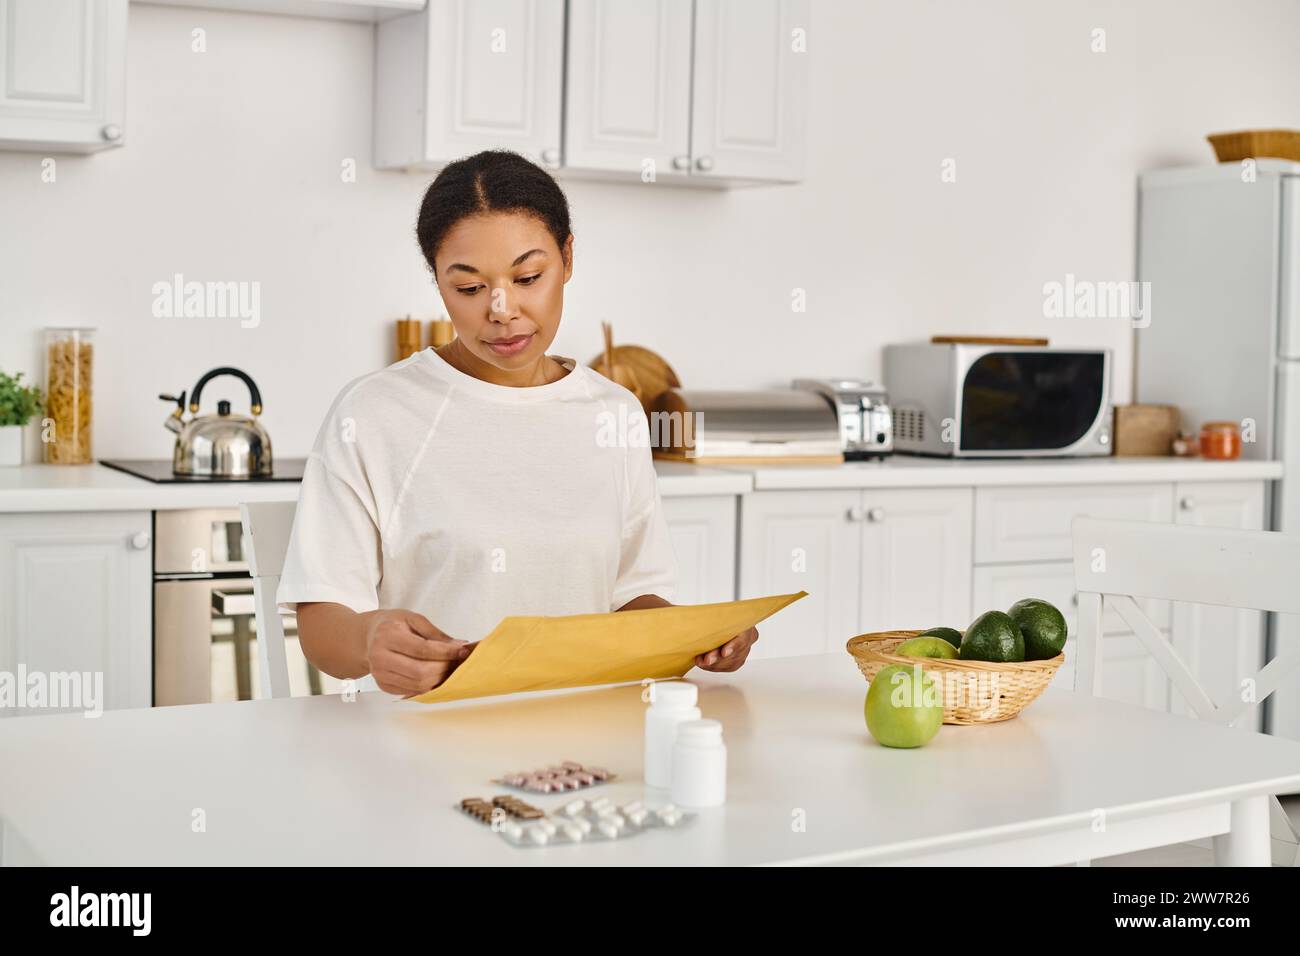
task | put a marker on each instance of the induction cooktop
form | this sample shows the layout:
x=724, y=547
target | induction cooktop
x=159, y=471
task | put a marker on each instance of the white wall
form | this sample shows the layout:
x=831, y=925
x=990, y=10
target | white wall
x=231, y=171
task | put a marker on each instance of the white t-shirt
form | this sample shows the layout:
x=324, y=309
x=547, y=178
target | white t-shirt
x=431, y=490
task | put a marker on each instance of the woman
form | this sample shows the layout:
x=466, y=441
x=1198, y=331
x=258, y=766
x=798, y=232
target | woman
x=469, y=483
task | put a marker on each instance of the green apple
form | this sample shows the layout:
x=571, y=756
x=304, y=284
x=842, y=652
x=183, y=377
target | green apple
x=927, y=647
x=904, y=706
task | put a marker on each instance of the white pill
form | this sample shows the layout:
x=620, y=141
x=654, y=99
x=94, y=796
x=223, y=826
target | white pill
x=575, y=807
x=511, y=829
x=538, y=835
x=548, y=826
x=637, y=817
x=608, y=828
x=573, y=832
x=670, y=817
x=581, y=824
x=633, y=807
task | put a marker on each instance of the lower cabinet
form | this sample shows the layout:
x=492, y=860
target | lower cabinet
x=869, y=560
x=75, y=597
x=703, y=533
x=802, y=541
x=913, y=558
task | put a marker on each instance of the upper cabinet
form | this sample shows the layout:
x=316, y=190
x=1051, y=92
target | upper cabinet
x=467, y=75
x=750, y=98
x=628, y=96
x=703, y=92
x=62, y=74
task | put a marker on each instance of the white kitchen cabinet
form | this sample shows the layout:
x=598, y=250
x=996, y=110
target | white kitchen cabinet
x=75, y=596
x=803, y=541
x=869, y=560
x=703, y=532
x=1032, y=523
x=701, y=92
x=366, y=11
x=62, y=74
x=916, y=558
x=750, y=99
x=462, y=76
x=628, y=89
x=1221, y=646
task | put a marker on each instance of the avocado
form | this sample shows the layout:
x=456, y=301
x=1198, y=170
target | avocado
x=949, y=634
x=1042, y=626
x=993, y=636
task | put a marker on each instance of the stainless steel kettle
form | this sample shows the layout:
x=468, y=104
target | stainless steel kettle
x=221, y=445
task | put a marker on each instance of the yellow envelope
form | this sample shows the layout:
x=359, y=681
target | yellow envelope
x=545, y=653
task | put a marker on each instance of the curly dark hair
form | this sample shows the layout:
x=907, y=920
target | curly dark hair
x=495, y=180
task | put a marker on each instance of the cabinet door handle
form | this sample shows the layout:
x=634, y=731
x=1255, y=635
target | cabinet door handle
x=704, y=163
x=551, y=157
x=1187, y=504
x=875, y=514
x=1074, y=599
x=112, y=132
x=140, y=540
x=856, y=513
x=681, y=162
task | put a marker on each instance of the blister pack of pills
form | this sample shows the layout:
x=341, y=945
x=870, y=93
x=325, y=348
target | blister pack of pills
x=584, y=821
x=558, y=778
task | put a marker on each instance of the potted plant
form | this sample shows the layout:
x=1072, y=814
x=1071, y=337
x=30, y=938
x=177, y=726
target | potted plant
x=18, y=403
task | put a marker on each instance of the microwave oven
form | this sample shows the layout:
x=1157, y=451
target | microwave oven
x=999, y=401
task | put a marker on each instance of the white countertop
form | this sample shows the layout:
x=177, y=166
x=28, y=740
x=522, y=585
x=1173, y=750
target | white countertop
x=95, y=487
x=41, y=487
x=317, y=780
x=908, y=471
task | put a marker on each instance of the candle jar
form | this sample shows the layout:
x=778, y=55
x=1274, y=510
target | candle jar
x=1220, y=441
x=69, y=361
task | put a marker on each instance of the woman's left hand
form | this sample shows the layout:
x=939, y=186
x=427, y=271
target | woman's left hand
x=731, y=655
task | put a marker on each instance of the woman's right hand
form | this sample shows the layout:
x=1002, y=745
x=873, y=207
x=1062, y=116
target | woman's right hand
x=408, y=655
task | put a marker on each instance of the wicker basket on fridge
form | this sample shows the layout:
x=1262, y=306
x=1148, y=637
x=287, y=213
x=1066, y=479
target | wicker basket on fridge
x=974, y=692
x=1256, y=144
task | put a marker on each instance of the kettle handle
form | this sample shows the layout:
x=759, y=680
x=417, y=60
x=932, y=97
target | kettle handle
x=255, y=395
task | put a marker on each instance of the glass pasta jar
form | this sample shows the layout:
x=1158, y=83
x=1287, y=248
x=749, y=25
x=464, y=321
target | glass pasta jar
x=69, y=409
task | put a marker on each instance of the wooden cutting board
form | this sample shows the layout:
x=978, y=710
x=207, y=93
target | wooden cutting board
x=653, y=374
x=984, y=340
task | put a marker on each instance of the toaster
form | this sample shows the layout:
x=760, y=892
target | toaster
x=865, y=421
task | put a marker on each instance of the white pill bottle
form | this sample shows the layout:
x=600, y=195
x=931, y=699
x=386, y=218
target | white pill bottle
x=699, y=765
x=671, y=703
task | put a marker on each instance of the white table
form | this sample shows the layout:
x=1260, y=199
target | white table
x=324, y=781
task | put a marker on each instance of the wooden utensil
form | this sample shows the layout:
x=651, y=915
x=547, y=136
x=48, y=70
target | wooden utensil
x=616, y=372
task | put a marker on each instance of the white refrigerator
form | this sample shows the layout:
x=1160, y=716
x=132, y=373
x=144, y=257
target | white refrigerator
x=1220, y=245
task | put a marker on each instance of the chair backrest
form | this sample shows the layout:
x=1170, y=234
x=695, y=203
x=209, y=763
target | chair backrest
x=1116, y=561
x=266, y=541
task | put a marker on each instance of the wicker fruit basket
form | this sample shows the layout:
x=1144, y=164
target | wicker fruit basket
x=974, y=692
x=1256, y=144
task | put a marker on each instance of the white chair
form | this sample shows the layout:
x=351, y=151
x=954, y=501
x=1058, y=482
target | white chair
x=266, y=539
x=1117, y=561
